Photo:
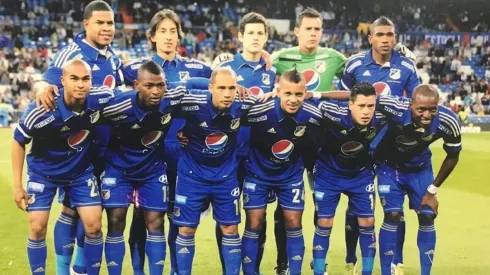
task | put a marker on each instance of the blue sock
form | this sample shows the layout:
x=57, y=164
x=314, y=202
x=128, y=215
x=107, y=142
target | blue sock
x=114, y=252
x=37, y=254
x=186, y=247
x=351, y=237
x=400, y=240
x=64, y=242
x=260, y=251
x=79, y=263
x=426, y=241
x=250, y=244
x=173, y=230
x=137, y=239
x=219, y=242
x=367, y=242
x=93, y=254
x=387, y=244
x=156, y=250
x=232, y=254
x=321, y=243
x=295, y=247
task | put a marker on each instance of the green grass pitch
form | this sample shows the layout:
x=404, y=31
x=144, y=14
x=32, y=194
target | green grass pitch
x=463, y=225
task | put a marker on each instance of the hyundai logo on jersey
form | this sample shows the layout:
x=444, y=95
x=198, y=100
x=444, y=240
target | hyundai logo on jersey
x=109, y=81
x=150, y=140
x=216, y=141
x=255, y=90
x=406, y=141
x=75, y=140
x=312, y=79
x=351, y=148
x=282, y=149
x=382, y=88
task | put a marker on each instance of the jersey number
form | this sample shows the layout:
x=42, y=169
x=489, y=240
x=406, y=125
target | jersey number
x=297, y=196
x=165, y=192
x=93, y=186
x=237, y=206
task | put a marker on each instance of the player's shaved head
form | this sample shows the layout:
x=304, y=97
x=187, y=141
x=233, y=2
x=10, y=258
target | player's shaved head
x=424, y=103
x=150, y=67
x=425, y=90
x=150, y=84
x=292, y=76
x=76, y=79
x=222, y=71
x=74, y=65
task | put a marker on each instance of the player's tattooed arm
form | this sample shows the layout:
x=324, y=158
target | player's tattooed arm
x=18, y=156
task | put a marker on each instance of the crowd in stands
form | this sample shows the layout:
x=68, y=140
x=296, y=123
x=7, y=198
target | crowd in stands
x=32, y=31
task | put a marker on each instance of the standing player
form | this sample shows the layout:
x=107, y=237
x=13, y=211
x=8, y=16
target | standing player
x=60, y=157
x=92, y=46
x=135, y=164
x=207, y=168
x=343, y=165
x=165, y=34
x=403, y=166
x=251, y=70
x=391, y=74
x=275, y=163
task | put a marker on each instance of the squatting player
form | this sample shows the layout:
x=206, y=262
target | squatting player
x=60, y=157
x=343, y=165
x=391, y=73
x=165, y=34
x=275, y=163
x=403, y=166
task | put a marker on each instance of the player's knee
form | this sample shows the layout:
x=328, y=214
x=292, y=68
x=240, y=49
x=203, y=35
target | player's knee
x=293, y=220
x=229, y=229
x=155, y=223
x=426, y=218
x=187, y=231
x=366, y=222
x=325, y=222
x=38, y=230
x=393, y=217
x=92, y=227
x=116, y=223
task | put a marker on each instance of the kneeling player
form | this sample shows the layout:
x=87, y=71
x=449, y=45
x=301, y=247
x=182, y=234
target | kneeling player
x=60, y=158
x=403, y=166
x=343, y=166
x=275, y=163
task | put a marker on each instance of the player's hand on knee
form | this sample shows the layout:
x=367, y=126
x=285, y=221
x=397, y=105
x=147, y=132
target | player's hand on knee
x=183, y=140
x=20, y=198
x=431, y=201
x=403, y=50
x=45, y=97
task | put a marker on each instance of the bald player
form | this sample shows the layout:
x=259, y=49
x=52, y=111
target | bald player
x=404, y=166
x=60, y=158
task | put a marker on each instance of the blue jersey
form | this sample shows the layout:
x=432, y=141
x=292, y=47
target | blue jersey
x=258, y=80
x=106, y=67
x=136, y=145
x=344, y=150
x=402, y=145
x=210, y=154
x=392, y=78
x=278, y=140
x=61, y=139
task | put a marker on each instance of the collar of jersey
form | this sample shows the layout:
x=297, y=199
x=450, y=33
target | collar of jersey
x=408, y=120
x=89, y=50
x=368, y=58
x=65, y=113
x=242, y=62
x=215, y=112
x=281, y=115
x=161, y=61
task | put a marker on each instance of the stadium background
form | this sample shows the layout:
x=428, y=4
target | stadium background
x=451, y=40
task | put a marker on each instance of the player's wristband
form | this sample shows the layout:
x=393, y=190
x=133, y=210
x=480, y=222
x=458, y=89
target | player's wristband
x=317, y=95
x=432, y=189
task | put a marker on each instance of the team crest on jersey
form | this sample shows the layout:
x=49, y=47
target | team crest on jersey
x=235, y=123
x=184, y=76
x=151, y=140
x=395, y=73
x=266, y=79
x=351, y=148
x=371, y=134
x=94, y=117
x=382, y=88
x=106, y=194
x=428, y=137
x=176, y=211
x=320, y=66
x=406, y=141
x=312, y=79
x=31, y=198
x=216, y=141
x=300, y=131
x=76, y=140
x=166, y=119
x=282, y=149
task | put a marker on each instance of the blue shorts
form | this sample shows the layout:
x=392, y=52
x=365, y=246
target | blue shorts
x=256, y=195
x=359, y=189
x=80, y=193
x=151, y=194
x=394, y=184
x=242, y=173
x=191, y=197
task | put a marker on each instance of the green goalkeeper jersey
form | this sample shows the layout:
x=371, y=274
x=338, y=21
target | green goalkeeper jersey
x=318, y=69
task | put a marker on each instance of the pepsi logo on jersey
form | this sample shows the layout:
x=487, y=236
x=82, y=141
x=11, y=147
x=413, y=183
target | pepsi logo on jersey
x=109, y=81
x=255, y=91
x=312, y=79
x=76, y=140
x=382, y=88
x=282, y=149
x=216, y=141
x=151, y=139
x=351, y=148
